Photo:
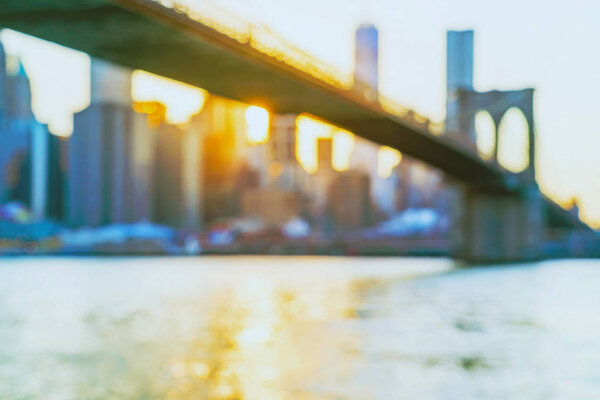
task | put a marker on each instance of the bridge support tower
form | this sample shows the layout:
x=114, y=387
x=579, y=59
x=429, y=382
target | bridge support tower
x=498, y=228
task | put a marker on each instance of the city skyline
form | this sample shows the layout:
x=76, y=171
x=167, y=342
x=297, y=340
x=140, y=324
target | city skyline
x=565, y=167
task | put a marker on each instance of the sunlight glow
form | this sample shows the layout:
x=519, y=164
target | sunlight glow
x=60, y=81
x=387, y=160
x=484, y=134
x=513, y=143
x=259, y=37
x=182, y=101
x=58, y=89
x=308, y=130
x=257, y=120
x=343, y=144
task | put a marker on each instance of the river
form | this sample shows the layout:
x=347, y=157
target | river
x=297, y=328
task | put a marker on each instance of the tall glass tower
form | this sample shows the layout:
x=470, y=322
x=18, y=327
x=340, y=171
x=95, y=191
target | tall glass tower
x=366, y=72
x=459, y=73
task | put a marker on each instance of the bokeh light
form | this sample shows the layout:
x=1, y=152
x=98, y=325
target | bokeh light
x=387, y=160
x=257, y=120
x=182, y=101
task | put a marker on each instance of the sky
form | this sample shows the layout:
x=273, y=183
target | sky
x=548, y=45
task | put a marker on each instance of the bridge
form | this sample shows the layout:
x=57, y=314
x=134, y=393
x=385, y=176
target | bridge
x=505, y=213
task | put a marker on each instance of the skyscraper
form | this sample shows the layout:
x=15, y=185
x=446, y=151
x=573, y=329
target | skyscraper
x=366, y=69
x=226, y=171
x=459, y=76
x=285, y=172
x=178, y=175
x=23, y=143
x=56, y=177
x=18, y=97
x=349, y=204
x=365, y=155
x=110, y=154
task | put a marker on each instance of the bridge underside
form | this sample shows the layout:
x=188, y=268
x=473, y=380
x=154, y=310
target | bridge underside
x=141, y=34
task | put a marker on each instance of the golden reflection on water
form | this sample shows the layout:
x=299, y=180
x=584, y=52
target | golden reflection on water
x=296, y=328
x=258, y=340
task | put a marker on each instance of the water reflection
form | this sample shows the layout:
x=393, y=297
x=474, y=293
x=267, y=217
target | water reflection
x=293, y=328
x=254, y=342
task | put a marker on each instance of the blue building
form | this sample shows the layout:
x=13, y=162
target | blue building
x=366, y=71
x=459, y=76
x=24, y=144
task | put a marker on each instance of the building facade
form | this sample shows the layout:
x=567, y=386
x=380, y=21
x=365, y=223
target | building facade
x=24, y=144
x=178, y=176
x=366, y=70
x=110, y=155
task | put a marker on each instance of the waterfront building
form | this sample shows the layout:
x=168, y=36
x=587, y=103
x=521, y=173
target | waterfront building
x=56, y=175
x=420, y=186
x=24, y=143
x=365, y=158
x=274, y=206
x=342, y=199
x=349, y=203
x=231, y=162
x=322, y=178
x=110, y=154
x=178, y=176
x=280, y=189
x=284, y=170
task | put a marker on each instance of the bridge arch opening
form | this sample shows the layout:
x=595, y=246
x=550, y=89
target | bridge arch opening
x=513, y=141
x=485, y=134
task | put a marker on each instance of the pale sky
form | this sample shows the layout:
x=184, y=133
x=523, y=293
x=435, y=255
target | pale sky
x=545, y=44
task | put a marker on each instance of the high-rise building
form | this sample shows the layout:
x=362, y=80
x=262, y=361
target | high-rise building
x=324, y=155
x=459, y=60
x=15, y=140
x=320, y=182
x=349, y=202
x=229, y=162
x=220, y=167
x=459, y=76
x=420, y=185
x=56, y=170
x=366, y=69
x=18, y=101
x=110, y=155
x=178, y=176
x=277, y=185
x=274, y=206
x=285, y=171
x=365, y=158
x=23, y=143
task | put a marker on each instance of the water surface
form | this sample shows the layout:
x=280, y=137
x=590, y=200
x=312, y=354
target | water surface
x=297, y=328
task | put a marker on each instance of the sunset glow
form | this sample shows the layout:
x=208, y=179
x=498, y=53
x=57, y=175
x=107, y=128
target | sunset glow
x=257, y=120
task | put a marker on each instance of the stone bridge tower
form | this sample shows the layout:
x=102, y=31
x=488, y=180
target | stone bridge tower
x=492, y=227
